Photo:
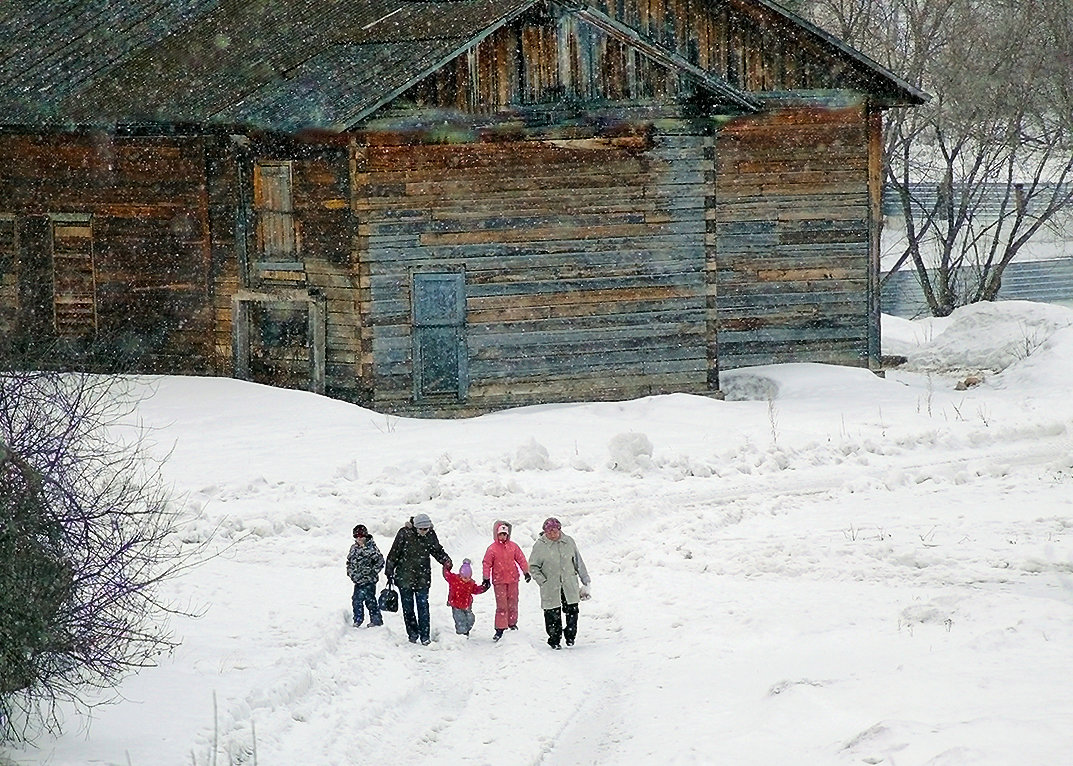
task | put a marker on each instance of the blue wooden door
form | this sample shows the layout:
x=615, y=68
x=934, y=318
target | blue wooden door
x=439, y=306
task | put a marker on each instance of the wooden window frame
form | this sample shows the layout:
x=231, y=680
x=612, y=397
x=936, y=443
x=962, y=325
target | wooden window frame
x=62, y=226
x=9, y=279
x=278, y=235
x=317, y=308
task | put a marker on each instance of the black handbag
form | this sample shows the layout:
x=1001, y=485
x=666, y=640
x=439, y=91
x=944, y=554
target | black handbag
x=389, y=600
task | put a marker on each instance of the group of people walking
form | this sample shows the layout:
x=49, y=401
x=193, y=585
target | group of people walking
x=554, y=563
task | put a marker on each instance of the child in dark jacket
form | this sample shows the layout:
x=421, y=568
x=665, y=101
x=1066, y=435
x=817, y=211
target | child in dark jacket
x=363, y=565
x=460, y=592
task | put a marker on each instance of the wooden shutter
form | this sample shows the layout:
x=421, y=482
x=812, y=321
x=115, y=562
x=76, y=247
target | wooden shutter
x=274, y=201
x=74, y=283
x=9, y=289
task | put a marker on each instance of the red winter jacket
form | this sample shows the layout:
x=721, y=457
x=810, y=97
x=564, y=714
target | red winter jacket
x=504, y=560
x=460, y=591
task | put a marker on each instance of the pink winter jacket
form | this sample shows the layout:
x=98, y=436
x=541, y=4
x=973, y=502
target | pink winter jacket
x=504, y=561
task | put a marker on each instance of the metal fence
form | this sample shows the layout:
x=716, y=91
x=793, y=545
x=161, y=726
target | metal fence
x=1047, y=281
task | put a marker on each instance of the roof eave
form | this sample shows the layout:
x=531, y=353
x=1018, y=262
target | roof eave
x=904, y=94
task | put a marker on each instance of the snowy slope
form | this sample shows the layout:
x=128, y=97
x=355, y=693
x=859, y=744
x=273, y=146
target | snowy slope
x=827, y=568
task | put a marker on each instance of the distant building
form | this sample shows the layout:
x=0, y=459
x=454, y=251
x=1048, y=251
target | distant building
x=1042, y=271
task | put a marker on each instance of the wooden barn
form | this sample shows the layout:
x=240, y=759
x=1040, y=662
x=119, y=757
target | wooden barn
x=439, y=207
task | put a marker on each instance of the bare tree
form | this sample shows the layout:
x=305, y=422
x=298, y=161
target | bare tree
x=87, y=534
x=988, y=163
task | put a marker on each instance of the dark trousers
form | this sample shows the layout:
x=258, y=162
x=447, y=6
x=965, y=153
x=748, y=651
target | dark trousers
x=365, y=595
x=416, y=624
x=553, y=622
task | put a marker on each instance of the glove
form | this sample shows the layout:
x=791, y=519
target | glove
x=448, y=563
x=584, y=593
x=528, y=577
x=486, y=583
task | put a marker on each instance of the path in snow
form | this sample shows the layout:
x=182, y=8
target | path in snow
x=462, y=696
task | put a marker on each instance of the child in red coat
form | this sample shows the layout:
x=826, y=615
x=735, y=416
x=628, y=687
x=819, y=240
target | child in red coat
x=460, y=592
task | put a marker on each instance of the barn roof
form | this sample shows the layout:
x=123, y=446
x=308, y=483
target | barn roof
x=279, y=64
x=273, y=64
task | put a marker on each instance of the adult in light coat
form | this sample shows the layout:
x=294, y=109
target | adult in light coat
x=557, y=567
x=504, y=564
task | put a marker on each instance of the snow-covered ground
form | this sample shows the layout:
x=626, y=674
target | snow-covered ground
x=827, y=568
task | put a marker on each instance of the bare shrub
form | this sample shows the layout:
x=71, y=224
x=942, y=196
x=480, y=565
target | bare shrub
x=86, y=537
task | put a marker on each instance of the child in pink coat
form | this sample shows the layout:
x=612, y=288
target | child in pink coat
x=504, y=564
x=460, y=592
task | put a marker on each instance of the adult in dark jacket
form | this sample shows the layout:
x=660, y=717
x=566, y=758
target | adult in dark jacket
x=408, y=567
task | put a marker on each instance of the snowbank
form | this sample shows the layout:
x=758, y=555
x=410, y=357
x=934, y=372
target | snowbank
x=990, y=336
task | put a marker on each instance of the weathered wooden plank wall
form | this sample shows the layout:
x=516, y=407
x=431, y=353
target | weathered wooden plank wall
x=227, y=226
x=548, y=60
x=583, y=262
x=792, y=228
x=321, y=181
x=151, y=239
x=322, y=206
x=744, y=44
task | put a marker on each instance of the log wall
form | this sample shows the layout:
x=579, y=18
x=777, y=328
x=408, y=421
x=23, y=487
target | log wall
x=150, y=245
x=321, y=180
x=792, y=225
x=583, y=260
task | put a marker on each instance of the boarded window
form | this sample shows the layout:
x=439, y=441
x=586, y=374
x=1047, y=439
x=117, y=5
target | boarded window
x=74, y=284
x=7, y=238
x=277, y=235
x=439, y=335
x=8, y=279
